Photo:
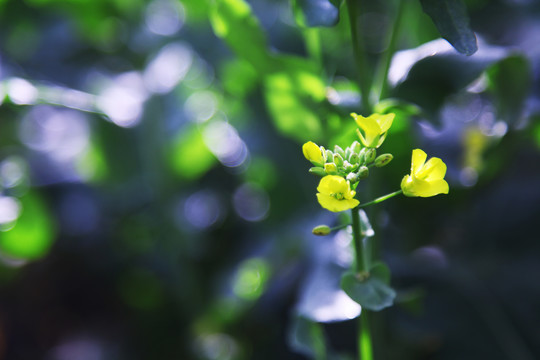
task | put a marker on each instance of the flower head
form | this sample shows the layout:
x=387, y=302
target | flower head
x=335, y=194
x=313, y=153
x=374, y=128
x=426, y=178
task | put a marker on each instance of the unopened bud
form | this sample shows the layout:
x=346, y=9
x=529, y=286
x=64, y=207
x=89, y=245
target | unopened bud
x=352, y=177
x=371, y=153
x=339, y=150
x=383, y=160
x=348, y=166
x=348, y=153
x=338, y=160
x=319, y=171
x=354, y=158
x=330, y=168
x=329, y=156
x=363, y=172
x=356, y=147
x=321, y=230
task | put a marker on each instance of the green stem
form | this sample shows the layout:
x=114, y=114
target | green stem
x=359, y=51
x=381, y=199
x=387, y=57
x=365, y=348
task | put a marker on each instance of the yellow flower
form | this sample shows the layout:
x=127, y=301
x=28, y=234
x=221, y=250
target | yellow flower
x=426, y=178
x=374, y=127
x=313, y=153
x=335, y=194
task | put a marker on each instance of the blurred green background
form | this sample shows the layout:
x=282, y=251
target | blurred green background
x=155, y=203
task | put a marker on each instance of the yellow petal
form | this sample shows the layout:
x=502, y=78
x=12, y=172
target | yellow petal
x=371, y=129
x=385, y=121
x=418, y=160
x=330, y=203
x=332, y=184
x=312, y=152
x=434, y=169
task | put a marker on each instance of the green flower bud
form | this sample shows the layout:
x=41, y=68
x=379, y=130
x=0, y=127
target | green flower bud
x=330, y=168
x=356, y=147
x=338, y=160
x=383, y=160
x=348, y=166
x=363, y=172
x=321, y=230
x=354, y=158
x=329, y=156
x=348, y=153
x=323, y=152
x=371, y=153
x=362, y=156
x=352, y=177
x=319, y=171
x=339, y=150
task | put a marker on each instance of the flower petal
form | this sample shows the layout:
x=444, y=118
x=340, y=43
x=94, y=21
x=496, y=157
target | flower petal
x=384, y=121
x=312, y=152
x=418, y=159
x=332, y=184
x=371, y=128
x=330, y=203
x=434, y=169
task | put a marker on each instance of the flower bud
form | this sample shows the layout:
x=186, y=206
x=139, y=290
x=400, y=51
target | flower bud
x=319, y=171
x=383, y=160
x=371, y=153
x=339, y=150
x=356, y=147
x=330, y=168
x=363, y=172
x=348, y=166
x=354, y=158
x=321, y=230
x=329, y=156
x=352, y=177
x=338, y=160
x=348, y=153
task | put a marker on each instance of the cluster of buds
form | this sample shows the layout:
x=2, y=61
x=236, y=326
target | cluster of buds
x=353, y=163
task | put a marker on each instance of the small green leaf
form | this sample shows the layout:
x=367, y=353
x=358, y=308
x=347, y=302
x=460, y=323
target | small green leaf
x=372, y=293
x=233, y=21
x=316, y=12
x=451, y=19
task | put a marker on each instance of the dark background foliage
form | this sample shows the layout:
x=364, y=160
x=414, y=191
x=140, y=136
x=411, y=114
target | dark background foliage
x=155, y=203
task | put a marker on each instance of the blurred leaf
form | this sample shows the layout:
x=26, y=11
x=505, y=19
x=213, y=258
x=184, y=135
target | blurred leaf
x=189, y=156
x=251, y=278
x=233, y=21
x=33, y=234
x=426, y=79
x=372, y=293
x=239, y=77
x=451, y=19
x=141, y=289
x=316, y=12
x=294, y=94
x=306, y=337
x=510, y=81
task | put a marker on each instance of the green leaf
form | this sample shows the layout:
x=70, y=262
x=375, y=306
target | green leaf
x=233, y=21
x=510, y=81
x=294, y=94
x=33, y=233
x=372, y=293
x=451, y=19
x=189, y=155
x=316, y=12
x=306, y=337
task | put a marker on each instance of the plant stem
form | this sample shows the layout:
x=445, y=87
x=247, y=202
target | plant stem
x=365, y=348
x=313, y=44
x=360, y=56
x=382, y=76
x=381, y=199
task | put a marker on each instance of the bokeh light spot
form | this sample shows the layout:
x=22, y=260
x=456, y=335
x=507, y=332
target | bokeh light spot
x=251, y=278
x=251, y=202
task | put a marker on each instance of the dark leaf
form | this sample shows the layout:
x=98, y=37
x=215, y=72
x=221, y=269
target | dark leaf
x=451, y=19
